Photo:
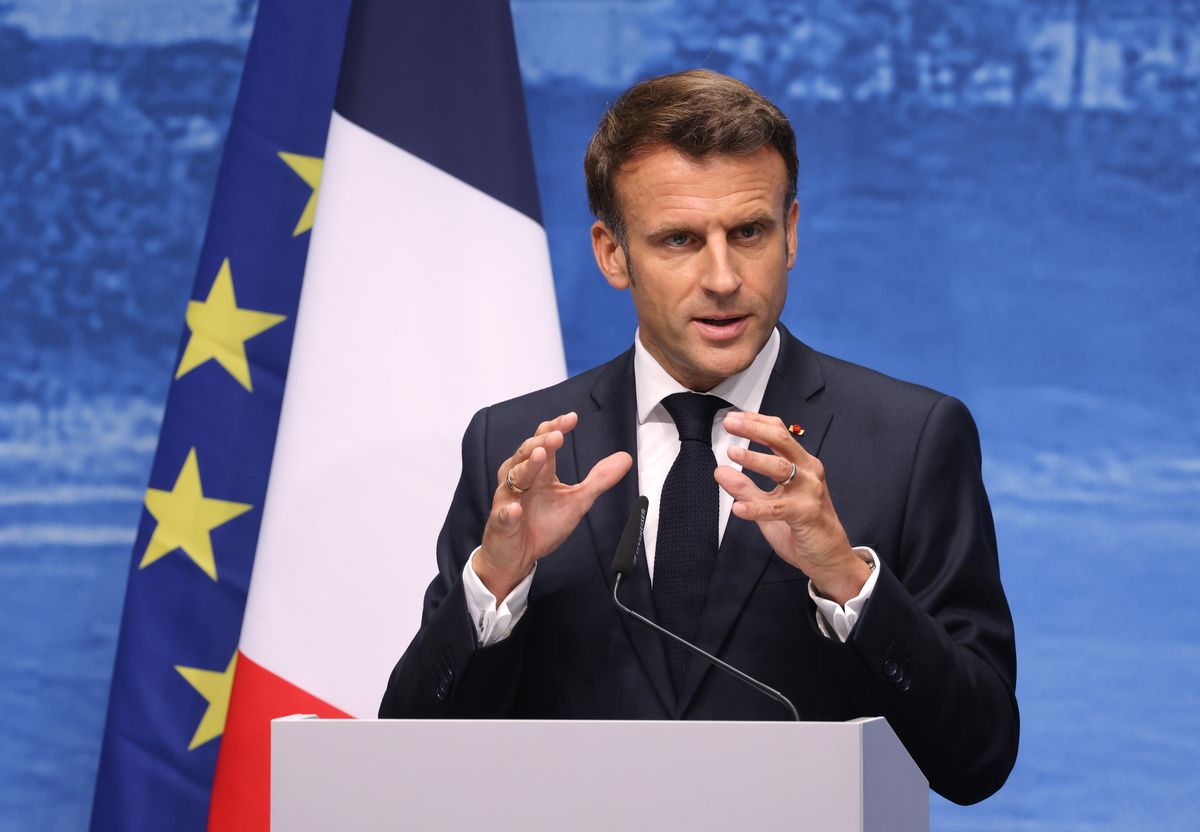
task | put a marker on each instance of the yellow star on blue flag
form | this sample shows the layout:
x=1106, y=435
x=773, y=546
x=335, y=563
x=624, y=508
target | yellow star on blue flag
x=220, y=329
x=215, y=686
x=185, y=517
x=309, y=169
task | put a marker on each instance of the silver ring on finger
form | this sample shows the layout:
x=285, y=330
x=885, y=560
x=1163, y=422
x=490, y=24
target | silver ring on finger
x=512, y=486
x=790, y=476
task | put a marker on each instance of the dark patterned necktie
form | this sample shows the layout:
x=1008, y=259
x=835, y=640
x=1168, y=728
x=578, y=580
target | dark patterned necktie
x=686, y=550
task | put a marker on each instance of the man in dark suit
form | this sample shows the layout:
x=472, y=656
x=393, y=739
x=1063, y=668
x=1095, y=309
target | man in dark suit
x=816, y=524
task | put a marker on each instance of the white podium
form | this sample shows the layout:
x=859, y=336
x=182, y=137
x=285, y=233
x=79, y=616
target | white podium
x=582, y=776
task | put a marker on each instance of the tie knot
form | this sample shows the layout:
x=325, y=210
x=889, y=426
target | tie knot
x=693, y=414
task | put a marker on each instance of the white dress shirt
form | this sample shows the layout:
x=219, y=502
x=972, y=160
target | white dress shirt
x=657, y=447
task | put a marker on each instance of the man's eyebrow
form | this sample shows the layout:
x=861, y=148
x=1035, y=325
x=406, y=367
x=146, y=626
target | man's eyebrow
x=763, y=218
x=668, y=230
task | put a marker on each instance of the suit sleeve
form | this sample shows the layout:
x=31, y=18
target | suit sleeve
x=934, y=651
x=444, y=673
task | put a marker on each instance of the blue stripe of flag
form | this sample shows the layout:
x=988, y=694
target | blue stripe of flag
x=174, y=613
x=440, y=79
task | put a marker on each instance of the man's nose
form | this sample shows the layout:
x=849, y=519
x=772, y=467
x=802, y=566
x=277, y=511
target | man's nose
x=720, y=274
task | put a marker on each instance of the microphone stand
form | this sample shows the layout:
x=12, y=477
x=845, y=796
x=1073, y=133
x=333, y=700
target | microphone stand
x=711, y=659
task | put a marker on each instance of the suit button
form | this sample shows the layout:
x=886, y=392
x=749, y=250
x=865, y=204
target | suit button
x=903, y=685
x=892, y=670
x=442, y=692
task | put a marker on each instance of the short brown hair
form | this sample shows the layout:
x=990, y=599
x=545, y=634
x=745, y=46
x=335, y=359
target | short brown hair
x=698, y=112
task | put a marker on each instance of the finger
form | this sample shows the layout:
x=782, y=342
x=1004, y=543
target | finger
x=526, y=448
x=552, y=445
x=565, y=423
x=605, y=474
x=769, y=431
x=508, y=516
x=544, y=437
x=738, y=485
x=760, y=510
x=552, y=441
x=772, y=466
x=523, y=475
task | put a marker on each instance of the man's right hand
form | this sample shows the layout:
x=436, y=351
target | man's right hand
x=523, y=528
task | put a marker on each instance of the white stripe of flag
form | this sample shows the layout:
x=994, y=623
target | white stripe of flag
x=424, y=299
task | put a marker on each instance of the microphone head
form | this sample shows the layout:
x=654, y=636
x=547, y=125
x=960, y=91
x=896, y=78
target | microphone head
x=625, y=558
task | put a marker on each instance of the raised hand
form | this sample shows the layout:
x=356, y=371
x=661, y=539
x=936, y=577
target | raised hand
x=796, y=517
x=533, y=512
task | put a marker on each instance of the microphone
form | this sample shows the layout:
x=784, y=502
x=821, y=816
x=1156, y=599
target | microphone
x=625, y=558
x=623, y=562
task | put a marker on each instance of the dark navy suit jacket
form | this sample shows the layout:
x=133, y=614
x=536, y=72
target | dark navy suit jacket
x=933, y=651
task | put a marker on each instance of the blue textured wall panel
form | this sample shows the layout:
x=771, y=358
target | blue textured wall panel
x=999, y=198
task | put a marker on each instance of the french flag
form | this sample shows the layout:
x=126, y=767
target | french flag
x=427, y=294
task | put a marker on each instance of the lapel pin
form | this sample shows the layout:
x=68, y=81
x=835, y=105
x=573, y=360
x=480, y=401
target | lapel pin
x=796, y=429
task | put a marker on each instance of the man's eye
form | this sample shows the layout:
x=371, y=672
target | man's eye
x=677, y=240
x=748, y=232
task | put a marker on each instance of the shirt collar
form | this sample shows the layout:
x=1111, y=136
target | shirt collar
x=743, y=390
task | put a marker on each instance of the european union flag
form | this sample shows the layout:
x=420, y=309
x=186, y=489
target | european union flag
x=195, y=545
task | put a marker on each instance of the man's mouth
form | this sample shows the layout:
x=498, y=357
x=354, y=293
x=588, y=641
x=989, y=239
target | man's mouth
x=728, y=320
x=721, y=328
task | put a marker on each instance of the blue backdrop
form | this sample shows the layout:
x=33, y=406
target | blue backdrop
x=999, y=198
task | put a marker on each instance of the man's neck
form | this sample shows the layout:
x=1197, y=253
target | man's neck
x=744, y=390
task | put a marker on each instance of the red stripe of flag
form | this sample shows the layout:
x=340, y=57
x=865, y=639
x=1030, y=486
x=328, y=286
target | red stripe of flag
x=241, y=790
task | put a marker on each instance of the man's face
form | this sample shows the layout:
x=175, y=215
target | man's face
x=708, y=249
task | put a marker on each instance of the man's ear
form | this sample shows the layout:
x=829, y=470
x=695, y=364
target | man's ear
x=610, y=256
x=793, y=215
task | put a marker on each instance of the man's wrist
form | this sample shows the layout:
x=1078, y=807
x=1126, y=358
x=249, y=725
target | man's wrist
x=845, y=581
x=498, y=582
x=493, y=620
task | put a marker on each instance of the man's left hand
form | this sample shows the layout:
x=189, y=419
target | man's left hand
x=797, y=517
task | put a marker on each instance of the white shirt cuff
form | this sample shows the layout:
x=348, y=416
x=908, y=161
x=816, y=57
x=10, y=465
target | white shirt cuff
x=494, y=623
x=841, y=619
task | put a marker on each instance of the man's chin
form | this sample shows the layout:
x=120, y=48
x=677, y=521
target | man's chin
x=701, y=365
x=717, y=365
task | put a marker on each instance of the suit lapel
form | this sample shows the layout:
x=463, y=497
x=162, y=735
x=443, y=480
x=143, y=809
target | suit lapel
x=744, y=552
x=612, y=426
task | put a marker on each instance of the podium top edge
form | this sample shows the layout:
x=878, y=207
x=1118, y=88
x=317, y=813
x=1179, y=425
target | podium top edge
x=312, y=718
